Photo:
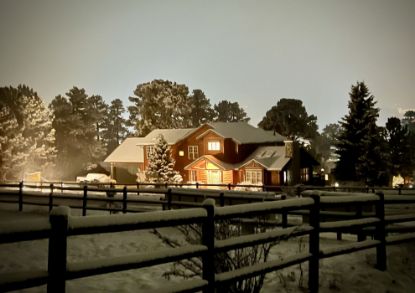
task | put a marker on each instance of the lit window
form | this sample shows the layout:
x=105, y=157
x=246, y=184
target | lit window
x=213, y=145
x=193, y=175
x=181, y=153
x=253, y=176
x=304, y=175
x=149, y=150
x=193, y=152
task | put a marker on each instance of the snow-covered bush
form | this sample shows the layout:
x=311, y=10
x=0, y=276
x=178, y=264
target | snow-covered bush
x=252, y=187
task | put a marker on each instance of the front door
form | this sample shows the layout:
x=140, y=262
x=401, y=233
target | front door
x=214, y=177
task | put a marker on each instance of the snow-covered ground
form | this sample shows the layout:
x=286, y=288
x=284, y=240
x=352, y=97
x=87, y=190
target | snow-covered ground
x=347, y=273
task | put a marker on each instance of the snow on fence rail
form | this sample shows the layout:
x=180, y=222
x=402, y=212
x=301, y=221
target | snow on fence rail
x=123, y=199
x=62, y=225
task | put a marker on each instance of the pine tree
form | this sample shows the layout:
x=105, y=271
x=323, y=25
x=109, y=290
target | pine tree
x=26, y=135
x=360, y=145
x=115, y=125
x=159, y=104
x=13, y=146
x=202, y=111
x=399, y=147
x=160, y=168
x=75, y=120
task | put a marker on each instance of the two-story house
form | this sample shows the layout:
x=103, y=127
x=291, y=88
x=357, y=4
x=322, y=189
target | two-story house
x=219, y=152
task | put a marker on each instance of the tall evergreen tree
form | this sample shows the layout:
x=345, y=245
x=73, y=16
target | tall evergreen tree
x=202, y=111
x=115, y=125
x=361, y=144
x=26, y=134
x=160, y=168
x=399, y=147
x=98, y=111
x=159, y=104
x=226, y=111
x=76, y=135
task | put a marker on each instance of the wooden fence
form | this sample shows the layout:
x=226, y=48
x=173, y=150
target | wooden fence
x=62, y=225
x=123, y=199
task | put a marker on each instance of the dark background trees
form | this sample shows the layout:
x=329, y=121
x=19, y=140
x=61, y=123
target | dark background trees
x=290, y=118
x=226, y=111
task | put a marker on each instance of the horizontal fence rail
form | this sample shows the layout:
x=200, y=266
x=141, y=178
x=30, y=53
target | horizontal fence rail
x=369, y=220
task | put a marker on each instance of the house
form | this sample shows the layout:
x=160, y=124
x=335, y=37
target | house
x=218, y=153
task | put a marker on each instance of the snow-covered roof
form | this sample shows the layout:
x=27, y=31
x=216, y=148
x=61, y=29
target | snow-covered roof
x=243, y=133
x=129, y=151
x=213, y=160
x=172, y=136
x=271, y=158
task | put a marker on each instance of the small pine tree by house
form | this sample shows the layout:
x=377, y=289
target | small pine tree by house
x=160, y=167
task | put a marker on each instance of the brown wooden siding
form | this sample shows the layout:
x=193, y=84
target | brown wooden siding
x=227, y=177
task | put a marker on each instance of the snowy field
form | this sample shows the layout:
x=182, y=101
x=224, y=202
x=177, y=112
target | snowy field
x=347, y=273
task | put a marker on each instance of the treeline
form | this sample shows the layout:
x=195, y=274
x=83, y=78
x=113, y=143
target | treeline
x=76, y=131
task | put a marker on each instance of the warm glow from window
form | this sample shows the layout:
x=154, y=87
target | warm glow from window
x=181, y=153
x=213, y=145
x=253, y=176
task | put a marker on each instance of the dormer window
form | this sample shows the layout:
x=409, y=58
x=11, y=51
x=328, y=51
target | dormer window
x=214, y=145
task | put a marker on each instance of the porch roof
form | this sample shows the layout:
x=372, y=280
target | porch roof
x=221, y=165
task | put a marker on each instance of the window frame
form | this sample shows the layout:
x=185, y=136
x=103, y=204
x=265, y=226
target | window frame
x=214, y=145
x=254, y=176
x=192, y=152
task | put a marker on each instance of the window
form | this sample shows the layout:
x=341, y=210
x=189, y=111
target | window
x=253, y=176
x=214, y=145
x=193, y=175
x=193, y=152
x=304, y=175
x=149, y=149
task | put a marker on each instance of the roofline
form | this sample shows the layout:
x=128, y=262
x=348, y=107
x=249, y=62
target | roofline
x=253, y=159
x=206, y=158
x=213, y=130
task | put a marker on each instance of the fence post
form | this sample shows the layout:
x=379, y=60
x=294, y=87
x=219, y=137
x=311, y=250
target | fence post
x=284, y=215
x=138, y=188
x=20, y=196
x=208, y=239
x=84, y=200
x=314, y=246
x=169, y=199
x=57, y=249
x=197, y=185
x=222, y=199
x=124, y=200
x=381, y=233
x=229, y=186
x=51, y=197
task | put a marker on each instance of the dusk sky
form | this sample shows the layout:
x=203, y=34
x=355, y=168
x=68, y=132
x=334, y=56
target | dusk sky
x=252, y=52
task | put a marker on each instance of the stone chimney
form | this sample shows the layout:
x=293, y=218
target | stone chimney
x=289, y=148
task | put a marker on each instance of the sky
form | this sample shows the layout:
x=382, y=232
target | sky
x=252, y=52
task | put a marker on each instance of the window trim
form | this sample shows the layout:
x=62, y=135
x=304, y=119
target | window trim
x=214, y=145
x=254, y=179
x=192, y=152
